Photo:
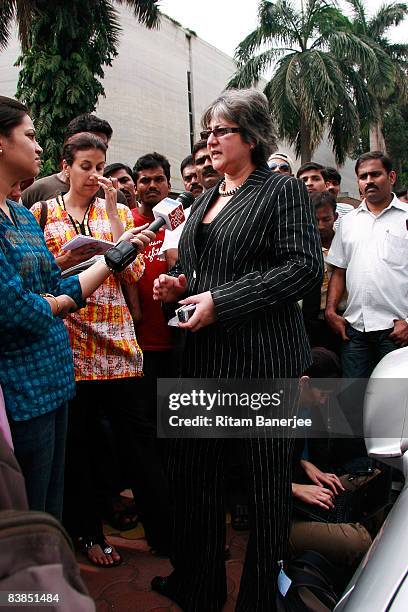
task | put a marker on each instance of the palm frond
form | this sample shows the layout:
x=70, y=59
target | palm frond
x=146, y=11
x=250, y=45
x=344, y=129
x=359, y=13
x=280, y=21
x=7, y=13
x=387, y=16
x=251, y=71
x=356, y=49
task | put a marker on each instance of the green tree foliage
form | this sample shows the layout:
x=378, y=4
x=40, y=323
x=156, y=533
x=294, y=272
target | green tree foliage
x=65, y=47
x=396, y=138
x=315, y=86
x=391, y=84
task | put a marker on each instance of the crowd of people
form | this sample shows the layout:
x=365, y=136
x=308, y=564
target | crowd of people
x=287, y=282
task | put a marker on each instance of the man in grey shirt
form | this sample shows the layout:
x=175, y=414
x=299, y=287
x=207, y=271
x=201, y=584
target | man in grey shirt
x=50, y=186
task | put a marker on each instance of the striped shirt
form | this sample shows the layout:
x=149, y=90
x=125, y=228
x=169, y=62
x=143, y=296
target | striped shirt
x=102, y=335
x=36, y=369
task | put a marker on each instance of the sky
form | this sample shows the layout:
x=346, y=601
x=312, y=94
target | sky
x=224, y=23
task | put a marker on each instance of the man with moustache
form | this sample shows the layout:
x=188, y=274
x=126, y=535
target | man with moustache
x=152, y=174
x=207, y=176
x=189, y=176
x=369, y=254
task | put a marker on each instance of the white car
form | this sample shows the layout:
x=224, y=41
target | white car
x=381, y=581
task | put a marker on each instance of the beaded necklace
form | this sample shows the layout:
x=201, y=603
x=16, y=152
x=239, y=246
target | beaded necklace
x=227, y=192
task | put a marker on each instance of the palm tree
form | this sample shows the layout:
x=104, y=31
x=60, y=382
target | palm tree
x=390, y=87
x=65, y=46
x=314, y=86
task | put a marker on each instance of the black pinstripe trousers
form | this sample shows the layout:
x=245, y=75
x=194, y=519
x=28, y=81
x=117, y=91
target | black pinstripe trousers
x=198, y=582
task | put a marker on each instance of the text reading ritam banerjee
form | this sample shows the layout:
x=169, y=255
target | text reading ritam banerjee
x=229, y=421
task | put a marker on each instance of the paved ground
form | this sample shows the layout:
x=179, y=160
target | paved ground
x=126, y=588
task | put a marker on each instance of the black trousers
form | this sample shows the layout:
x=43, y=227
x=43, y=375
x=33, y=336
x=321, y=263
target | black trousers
x=122, y=402
x=198, y=582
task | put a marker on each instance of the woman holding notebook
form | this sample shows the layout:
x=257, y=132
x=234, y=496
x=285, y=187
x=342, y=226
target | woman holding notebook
x=36, y=369
x=107, y=359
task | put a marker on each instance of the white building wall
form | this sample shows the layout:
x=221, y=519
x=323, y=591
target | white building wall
x=146, y=98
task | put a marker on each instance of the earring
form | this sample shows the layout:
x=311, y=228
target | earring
x=1, y=151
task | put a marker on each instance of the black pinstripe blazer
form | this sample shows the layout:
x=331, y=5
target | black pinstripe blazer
x=263, y=254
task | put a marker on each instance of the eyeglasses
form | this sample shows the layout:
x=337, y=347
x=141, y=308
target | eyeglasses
x=219, y=132
x=284, y=167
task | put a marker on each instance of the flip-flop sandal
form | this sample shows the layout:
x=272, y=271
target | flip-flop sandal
x=88, y=542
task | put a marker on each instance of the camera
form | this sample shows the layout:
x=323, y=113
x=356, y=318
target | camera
x=184, y=313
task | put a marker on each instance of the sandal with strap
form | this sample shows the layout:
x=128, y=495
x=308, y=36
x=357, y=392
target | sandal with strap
x=86, y=543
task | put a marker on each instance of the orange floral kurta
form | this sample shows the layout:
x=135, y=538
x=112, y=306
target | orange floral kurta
x=102, y=335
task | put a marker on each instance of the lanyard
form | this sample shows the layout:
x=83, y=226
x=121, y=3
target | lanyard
x=80, y=228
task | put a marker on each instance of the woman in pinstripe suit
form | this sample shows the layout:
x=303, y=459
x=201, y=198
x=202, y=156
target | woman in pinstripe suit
x=249, y=252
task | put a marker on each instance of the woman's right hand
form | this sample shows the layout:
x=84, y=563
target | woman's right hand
x=169, y=288
x=140, y=237
x=312, y=494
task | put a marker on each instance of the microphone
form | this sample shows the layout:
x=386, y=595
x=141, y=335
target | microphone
x=168, y=212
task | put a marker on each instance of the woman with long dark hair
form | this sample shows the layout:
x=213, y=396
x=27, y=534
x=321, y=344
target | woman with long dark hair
x=36, y=368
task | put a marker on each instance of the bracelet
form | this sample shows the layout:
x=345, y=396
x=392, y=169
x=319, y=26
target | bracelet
x=49, y=295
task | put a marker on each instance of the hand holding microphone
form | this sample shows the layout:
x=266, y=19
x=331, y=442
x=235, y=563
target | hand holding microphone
x=168, y=212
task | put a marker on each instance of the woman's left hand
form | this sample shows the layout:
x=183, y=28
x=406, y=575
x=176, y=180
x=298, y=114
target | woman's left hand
x=204, y=313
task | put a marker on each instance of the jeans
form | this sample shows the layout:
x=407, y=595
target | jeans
x=364, y=350
x=39, y=446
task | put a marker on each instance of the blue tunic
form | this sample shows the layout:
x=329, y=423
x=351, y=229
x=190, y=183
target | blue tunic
x=36, y=367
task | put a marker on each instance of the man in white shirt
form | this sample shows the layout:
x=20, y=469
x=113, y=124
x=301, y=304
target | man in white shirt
x=369, y=255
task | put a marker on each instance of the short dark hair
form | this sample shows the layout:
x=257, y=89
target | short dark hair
x=384, y=159
x=81, y=142
x=88, y=123
x=117, y=166
x=152, y=160
x=11, y=114
x=312, y=166
x=401, y=192
x=333, y=175
x=323, y=198
x=187, y=161
x=197, y=146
